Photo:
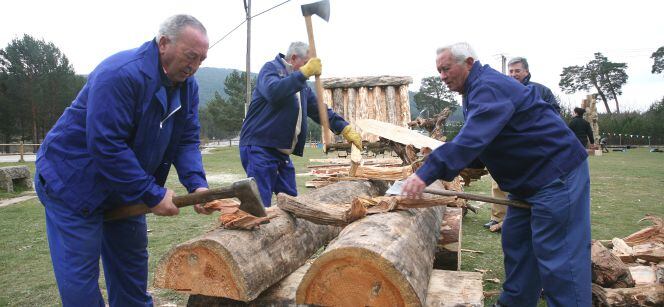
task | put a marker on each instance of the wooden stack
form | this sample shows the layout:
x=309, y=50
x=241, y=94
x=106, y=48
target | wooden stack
x=631, y=272
x=383, y=259
x=384, y=98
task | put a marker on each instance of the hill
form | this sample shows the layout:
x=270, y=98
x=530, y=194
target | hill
x=211, y=79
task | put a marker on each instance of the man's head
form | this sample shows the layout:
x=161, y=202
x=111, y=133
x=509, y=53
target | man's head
x=454, y=63
x=518, y=68
x=297, y=54
x=579, y=111
x=183, y=45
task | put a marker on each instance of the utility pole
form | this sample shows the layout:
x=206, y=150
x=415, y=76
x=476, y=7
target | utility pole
x=504, y=61
x=247, y=9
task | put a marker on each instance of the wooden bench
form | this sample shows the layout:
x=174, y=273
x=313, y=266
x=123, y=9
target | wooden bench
x=14, y=175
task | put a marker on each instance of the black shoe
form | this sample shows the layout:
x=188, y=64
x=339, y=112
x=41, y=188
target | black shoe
x=498, y=304
x=490, y=223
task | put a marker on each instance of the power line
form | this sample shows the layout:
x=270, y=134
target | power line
x=244, y=21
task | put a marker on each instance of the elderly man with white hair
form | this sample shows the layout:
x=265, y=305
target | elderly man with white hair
x=532, y=155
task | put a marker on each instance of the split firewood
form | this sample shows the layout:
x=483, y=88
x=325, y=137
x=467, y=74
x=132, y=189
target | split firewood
x=622, y=250
x=646, y=274
x=607, y=269
x=651, y=252
x=654, y=233
x=332, y=204
x=232, y=217
x=448, y=249
x=384, y=204
x=650, y=295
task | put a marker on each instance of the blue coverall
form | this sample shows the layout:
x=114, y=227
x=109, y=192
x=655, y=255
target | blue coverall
x=531, y=154
x=114, y=146
x=270, y=126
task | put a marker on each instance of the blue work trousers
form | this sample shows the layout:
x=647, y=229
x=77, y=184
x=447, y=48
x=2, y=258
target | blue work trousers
x=548, y=247
x=272, y=169
x=77, y=239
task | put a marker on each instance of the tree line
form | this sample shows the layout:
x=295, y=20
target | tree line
x=37, y=82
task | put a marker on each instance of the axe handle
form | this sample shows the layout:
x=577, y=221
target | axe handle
x=179, y=201
x=488, y=199
x=322, y=109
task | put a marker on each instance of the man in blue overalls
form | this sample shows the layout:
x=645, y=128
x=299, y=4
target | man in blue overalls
x=276, y=122
x=136, y=115
x=532, y=155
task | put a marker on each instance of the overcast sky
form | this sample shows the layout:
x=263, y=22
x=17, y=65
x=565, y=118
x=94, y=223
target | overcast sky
x=366, y=38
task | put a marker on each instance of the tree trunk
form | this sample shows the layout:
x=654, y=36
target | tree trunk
x=448, y=249
x=241, y=264
x=601, y=94
x=380, y=260
x=331, y=204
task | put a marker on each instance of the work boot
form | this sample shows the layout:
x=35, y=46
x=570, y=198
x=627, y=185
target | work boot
x=490, y=223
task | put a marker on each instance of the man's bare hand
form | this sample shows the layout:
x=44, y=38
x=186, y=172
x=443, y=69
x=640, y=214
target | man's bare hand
x=166, y=207
x=413, y=187
x=199, y=208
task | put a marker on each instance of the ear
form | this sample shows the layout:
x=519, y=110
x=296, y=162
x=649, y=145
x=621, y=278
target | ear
x=163, y=41
x=469, y=62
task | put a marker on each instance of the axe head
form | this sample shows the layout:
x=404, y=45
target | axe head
x=246, y=191
x=320, y=8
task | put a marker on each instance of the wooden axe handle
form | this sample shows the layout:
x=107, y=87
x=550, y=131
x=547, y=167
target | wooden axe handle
x=179, y=201
x=322, y=109
x=488, y=199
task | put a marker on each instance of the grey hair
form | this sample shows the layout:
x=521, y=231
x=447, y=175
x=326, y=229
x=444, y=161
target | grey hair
x=297, y=48
x=172, y=26
x=460, y=51
x=521, y=60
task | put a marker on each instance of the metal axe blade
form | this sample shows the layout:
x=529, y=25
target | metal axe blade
x=320, y=8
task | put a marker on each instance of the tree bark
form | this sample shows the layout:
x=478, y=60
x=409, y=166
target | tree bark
x=607, y=269
x=331, y=204
x=380, y=260
x=651, y=295
x=241, y=264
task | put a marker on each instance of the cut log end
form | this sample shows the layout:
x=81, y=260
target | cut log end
x=199, y=270
x=354, y=277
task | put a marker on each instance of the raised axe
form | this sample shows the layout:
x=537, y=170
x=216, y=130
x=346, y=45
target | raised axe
x=397, y=188
x=322, y=9
x=245, y=190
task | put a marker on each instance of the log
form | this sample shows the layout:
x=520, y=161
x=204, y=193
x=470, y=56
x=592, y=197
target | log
x=338, y=102
x=448, y=249
x=381, y=107
x=384, y=172
x=366, y=81
x=362, y=103
x=453, y=289
x=404, y=110
x=241, y=264
x=650, y=295
x=281, y=294
x=446, y=289
x=654, y=233
x=391, y=102
x=397, y=134
x=380, y=260
x=644, y=275
x=383, y=204
x=652, y=252
x=607, y=269
x=331, y=204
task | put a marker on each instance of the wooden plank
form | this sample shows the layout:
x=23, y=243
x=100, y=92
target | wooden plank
x=380, y=260
x=404, y=114
x=455, y=288
x=366, y=81
x=241, y=264
x=392, y=107
x=397, y=134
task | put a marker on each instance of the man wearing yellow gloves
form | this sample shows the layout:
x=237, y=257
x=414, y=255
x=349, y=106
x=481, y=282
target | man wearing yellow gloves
x=276, y=124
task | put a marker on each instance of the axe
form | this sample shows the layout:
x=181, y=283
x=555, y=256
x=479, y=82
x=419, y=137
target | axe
x=322, y=9
x=245, y=190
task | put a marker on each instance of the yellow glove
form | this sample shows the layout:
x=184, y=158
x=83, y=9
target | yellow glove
x=313, y=67
x=352, y=136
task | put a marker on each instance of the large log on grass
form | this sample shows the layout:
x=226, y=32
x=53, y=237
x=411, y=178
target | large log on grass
x=381, y=260
x=331, y=204
x=448, y=249
x=240, y=264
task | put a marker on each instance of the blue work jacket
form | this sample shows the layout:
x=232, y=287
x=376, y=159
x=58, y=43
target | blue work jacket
x=522, y=141
x=272, y=114
x=117, y=140
x=544, y=92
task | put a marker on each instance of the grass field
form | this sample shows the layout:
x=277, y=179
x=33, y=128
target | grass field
x=625, y=186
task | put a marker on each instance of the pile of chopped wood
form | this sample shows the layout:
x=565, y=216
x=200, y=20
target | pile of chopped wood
x=630, y=271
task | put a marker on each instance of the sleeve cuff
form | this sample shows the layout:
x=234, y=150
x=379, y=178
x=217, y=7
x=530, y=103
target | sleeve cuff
x=427, y=172
x=153, y=196
x=191, y=187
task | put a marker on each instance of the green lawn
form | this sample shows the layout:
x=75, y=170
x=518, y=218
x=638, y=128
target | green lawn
x=625, y=186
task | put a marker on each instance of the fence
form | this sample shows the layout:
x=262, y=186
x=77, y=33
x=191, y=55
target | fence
x=20, y=149
x=621, y=139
